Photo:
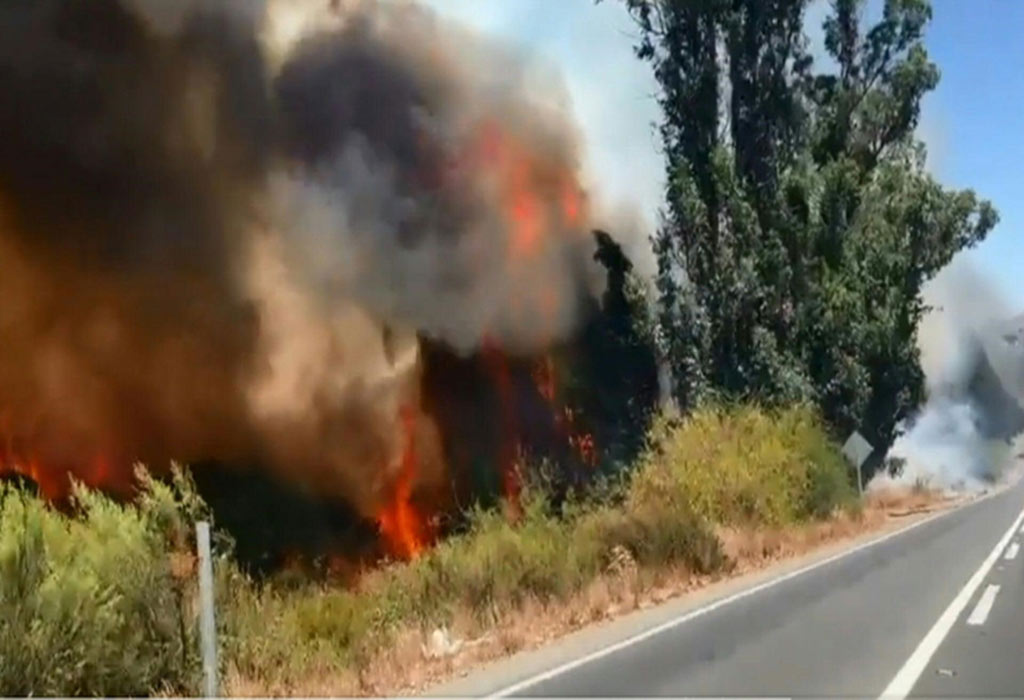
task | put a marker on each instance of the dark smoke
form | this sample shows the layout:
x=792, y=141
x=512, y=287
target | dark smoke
x=398, y=146
x=128, y=167
x=220, y=240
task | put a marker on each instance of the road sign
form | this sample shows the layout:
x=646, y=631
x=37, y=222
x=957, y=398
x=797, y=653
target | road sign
x=857, y=449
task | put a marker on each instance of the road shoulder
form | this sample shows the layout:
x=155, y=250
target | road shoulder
x=658, y=607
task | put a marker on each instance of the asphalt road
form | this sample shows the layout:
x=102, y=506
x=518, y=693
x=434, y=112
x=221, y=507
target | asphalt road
x=935, y=610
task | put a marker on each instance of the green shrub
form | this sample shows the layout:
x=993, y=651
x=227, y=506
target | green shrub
x=742, y=465
x=89, y=605
x=281, y=635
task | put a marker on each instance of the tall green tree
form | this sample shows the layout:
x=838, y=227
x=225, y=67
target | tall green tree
x=611, y=386
x=800, y=222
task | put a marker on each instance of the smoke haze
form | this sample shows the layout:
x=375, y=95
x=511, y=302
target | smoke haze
x=961, y=437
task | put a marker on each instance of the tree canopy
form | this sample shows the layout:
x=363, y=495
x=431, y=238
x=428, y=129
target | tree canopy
x=800, y=222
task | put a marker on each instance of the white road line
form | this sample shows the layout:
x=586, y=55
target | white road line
x=1011, y=551
x=531, y=681
x=906, y=677
x=984, y=606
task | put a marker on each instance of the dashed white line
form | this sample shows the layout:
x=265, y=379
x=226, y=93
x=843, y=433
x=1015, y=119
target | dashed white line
x=907, y=676
x=1011, y=551
x=984, y=606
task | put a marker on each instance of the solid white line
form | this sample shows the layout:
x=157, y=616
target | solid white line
x=711, y=607
x=984, y=606
x=1011, y=551
x=906, y=677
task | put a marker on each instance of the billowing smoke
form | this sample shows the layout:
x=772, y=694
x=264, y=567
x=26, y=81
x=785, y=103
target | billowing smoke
x=227, y=225
x=974, y=367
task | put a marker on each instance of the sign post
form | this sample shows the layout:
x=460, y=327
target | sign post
x=207, y=624
x=857, y=450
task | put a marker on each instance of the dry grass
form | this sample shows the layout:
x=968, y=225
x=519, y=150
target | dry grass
x=718, y=493
x=898, y=500
x=620, y=589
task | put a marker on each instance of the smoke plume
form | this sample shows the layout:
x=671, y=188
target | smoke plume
x=225, y=225
x=974, y=370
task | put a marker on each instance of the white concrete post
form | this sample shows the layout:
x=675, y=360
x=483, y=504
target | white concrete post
x=207, y=623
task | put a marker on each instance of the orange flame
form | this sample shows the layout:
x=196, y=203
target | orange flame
x=565, y=419
x=581, y=441
x=571, y=204
x=544, y=378
x=536, y=192
x=54, y=479
x=50, y=483
x=405, y=530
x=525, y=212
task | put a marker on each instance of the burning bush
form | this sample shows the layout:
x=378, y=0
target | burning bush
x=342, y=243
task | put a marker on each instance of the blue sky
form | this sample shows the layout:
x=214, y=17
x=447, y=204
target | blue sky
x=974, y=123
x=971, y=123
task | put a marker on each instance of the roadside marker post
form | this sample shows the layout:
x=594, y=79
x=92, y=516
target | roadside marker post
x=207, y=624
x=857, y=450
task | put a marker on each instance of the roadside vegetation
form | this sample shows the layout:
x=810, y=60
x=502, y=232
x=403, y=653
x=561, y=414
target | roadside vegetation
x=97, y=601
x=101, y=600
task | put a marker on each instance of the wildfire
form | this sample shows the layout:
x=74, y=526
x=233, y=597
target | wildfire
x=581, y=441
x=404, y=528
x=255, y=330
x=53, y=479
x=527, y=183
x=54, y=483
x=544, y=378
x=49, y=484
x=571, y=203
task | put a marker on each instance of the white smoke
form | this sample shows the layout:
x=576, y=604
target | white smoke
x=959, y=439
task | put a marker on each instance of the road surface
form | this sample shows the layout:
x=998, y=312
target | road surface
x=934, y=610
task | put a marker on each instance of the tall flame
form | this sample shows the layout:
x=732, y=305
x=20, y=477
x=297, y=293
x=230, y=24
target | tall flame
x=406, y=531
